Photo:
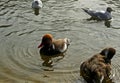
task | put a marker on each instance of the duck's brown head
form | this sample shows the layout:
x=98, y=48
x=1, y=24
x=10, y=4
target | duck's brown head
x=46, y=40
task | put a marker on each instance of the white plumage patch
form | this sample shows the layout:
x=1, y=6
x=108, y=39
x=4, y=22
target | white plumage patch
x=37, y=4
x=65, y=46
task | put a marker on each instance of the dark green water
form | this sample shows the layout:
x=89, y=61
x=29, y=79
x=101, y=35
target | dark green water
x=21, y=32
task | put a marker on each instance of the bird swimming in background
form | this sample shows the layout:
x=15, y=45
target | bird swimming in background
x=99, y=15
x=97, y=69
x=37, y=5
x=50, y=46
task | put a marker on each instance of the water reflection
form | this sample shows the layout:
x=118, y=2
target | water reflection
x=48, y=60
x=107, y=23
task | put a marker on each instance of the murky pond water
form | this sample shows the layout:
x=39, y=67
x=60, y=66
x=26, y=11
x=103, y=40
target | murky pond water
x=21, y=32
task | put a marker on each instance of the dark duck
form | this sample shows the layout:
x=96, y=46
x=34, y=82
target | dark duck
x=97, y=69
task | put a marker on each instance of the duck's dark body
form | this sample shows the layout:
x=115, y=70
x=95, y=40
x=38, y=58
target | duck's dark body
x=97, y=69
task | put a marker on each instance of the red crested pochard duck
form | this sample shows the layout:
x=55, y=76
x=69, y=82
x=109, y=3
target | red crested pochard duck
x=97, y=69
x=50, y=46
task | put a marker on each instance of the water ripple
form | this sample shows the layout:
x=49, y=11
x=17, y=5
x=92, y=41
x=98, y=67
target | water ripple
x=5, y=25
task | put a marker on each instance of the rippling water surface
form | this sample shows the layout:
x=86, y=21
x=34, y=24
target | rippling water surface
x=21, y=32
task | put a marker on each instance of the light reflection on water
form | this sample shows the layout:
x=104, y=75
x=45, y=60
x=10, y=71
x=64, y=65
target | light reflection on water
x=21, y=31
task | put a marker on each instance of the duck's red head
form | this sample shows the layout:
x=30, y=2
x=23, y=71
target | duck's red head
x=46, y=40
